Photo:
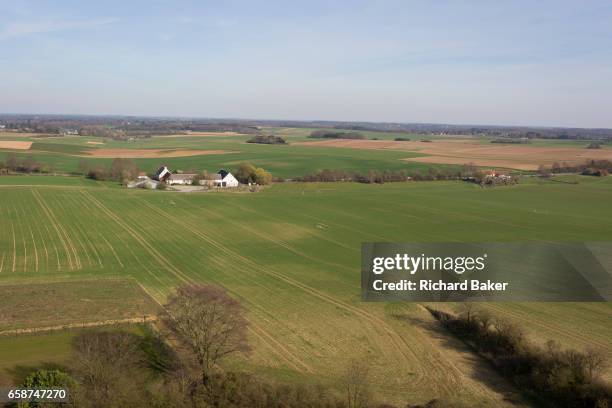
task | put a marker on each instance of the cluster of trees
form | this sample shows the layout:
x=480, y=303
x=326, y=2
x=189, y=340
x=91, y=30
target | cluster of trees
x=269, y=139
x=25, y=165
x=402, y=139
x=247, y=173
x=331, y=134
x=117, y=368
x=121, y=170
x=594, y=145
x=588, y=168
x=563, y=378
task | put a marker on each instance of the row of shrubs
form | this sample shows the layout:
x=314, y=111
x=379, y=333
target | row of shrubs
x=372, y=176
x=551, y=375
x=269, y=139
x=467, y=172
x=511, y=141
x=330, y=134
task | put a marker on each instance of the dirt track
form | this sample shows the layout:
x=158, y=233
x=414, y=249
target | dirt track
x=79, y=325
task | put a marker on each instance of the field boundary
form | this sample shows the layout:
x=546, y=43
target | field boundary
x=143, y=319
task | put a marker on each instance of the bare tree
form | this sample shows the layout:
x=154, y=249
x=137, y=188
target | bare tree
x=595, y=362
x=106, y=365
x=210, y=322
x=467, y=310
x=356, y=384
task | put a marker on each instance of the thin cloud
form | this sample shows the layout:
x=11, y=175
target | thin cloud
x=26, y=28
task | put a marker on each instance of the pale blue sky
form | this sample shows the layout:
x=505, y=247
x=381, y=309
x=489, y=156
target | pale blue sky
x=520, y=62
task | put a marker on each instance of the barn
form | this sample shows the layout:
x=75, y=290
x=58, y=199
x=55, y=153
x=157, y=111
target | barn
x=180, y=178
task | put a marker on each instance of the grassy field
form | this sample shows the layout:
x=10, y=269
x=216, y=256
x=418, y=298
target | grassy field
x=291, y=254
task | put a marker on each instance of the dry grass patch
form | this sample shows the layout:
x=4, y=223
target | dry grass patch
x=15, y=145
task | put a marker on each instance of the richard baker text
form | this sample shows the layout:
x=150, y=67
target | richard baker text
x=483, y=272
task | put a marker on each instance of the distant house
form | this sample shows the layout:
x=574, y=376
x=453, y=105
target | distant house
x=180, y=178
x=162, y=174
x=221, y=179
x=494, y=174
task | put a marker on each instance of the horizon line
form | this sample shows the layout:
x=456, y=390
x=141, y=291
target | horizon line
x=147, y=116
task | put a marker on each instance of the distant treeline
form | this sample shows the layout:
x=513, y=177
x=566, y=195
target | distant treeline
x=588, y=168
x=270, y=139
x=25, y=165
x=329, y=134
x=560, y=378
x=380, y=177
x=511, y=141
x=118, y=128
x=372, y=176
x=467, y=172
x=141, y=126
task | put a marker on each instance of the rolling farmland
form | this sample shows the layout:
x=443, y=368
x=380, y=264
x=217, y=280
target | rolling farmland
x=291, y=254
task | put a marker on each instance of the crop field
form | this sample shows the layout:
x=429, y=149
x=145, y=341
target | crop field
x=291, y=255
x=478, y=152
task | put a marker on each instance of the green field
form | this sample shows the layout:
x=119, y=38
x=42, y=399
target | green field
x=291, y=254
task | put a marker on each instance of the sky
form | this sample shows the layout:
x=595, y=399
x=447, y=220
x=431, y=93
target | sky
x=532, y=63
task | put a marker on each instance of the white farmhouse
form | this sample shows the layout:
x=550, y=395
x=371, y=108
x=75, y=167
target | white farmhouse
x=221, y=179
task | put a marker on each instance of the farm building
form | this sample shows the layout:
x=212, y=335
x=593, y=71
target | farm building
x=221, y=179
x=180, y=178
